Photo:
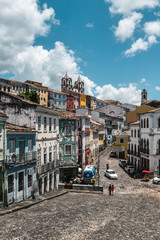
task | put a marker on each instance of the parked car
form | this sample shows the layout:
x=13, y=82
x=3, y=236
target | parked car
x=111, y=174
x=122, y=163
x=156, y=180
x=112, y=154
x=129, y=168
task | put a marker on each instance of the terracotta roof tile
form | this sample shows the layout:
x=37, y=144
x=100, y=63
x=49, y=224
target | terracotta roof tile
x=135, y=123
x=68, y=115
x=15, y=128
x=99, y=124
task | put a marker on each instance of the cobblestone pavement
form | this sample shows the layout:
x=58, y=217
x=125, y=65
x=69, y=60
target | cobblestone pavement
x=132, y=213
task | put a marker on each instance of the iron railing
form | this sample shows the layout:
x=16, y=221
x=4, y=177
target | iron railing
x=21, y=158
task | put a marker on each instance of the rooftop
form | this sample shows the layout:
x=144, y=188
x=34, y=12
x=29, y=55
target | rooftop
x=15, y=128
x=68, y=115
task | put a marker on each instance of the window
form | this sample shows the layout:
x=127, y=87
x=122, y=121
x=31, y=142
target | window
x=44, y=99
x=8, y=89
x=45, y=123
x=41, y=91
x=63, y=103
x=121, y=140
x=138, y=134
x=147, y=123
x=39, y=157
x=39, y=122
x=141, y=123
x=45, y=155
x=63, y=96
x=30, y=144
x=144, y=123
x=44, y=91
x=13, y=87
x=131, y=133
x=100, y=136
x=50, y=153
x=54, y=123
x=54, y=152
x=10, y=183
x=68, y=149
x=59, y=95
x=4, y=89
x=59, y=102
x=135, y=133
x=68, y=130
x=29, y=180
x=55, y=95
x=12, y=148
x=50, y=124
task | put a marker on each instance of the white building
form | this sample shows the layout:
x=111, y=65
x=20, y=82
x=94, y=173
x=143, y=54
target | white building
x=134, y=146
x=150, y=140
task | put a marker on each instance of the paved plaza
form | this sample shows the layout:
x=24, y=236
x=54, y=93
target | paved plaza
x=132, y=213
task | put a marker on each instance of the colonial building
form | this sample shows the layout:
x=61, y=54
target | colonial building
x=134, y=157
x=57, y=99
x=46, y=122
x=20, y=164
x=68, y=146
x=84, y=136
x=3, y=119
x=122, y=144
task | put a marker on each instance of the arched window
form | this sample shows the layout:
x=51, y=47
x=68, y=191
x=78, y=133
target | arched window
x=135, y=149
x=141, y=123
x=147, y=123
x=148, y=146
x=144, y=123
x=135, y=133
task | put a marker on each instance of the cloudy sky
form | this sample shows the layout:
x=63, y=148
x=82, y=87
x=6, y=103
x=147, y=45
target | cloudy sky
x=112, y=44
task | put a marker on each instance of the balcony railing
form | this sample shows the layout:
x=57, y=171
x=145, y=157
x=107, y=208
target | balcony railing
x=144, y=150
x=48, y=166
x=20, y=158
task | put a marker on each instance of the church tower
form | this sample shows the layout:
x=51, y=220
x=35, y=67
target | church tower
x=79, y=85
x=66, y=83
x=143, y=96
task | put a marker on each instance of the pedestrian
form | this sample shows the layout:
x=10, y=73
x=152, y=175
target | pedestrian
x=110, y=189
x=113, y=189
x=107, y=166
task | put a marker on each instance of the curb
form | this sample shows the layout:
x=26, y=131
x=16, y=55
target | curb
x=85, y=191
x=32, y=204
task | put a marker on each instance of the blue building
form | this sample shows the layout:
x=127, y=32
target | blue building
x=20, y=164
x=57, y=99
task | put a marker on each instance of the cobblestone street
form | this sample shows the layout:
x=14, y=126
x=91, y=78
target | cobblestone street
x=132, y=213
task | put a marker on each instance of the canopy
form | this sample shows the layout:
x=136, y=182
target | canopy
x=146, y=171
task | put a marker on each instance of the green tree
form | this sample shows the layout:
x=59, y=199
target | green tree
x=30, y=95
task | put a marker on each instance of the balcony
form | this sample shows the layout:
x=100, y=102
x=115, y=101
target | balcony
x=21, y=159
x=157, y=151
x=48, y=166
x=144, y=150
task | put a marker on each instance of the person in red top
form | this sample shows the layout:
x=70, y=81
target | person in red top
x=113, y=189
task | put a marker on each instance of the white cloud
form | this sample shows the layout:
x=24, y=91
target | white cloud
x=126, y=26
x=157, y=88
x=140, y=45
x=127, y=6
x=152, y=28
x=128, y=94
x=19, y=25
x=143, y=80
x=90, y=25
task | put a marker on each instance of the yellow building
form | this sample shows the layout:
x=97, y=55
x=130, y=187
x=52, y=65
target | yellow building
x=121, y=145
x=82, y=101
x=132, y=116
x=42, y=91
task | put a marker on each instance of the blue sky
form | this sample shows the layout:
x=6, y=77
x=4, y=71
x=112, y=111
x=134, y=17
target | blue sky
x=112, y=44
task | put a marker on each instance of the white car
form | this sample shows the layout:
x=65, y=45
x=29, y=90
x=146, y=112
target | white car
x=111, y=174
x=156, y=180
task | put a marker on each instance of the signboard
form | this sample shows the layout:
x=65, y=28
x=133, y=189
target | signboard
x=117, y=148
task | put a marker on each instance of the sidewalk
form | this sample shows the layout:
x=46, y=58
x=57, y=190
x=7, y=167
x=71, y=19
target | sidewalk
x=26, y=204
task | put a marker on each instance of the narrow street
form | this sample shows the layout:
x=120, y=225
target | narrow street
x=132, y=213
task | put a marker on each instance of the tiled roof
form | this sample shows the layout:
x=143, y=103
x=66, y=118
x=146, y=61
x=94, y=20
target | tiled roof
x=135, y=123
x=51, y=90
x=125, y=133
x=3, y=115
x=99, y=124
x=14, y=128
x=68, y=115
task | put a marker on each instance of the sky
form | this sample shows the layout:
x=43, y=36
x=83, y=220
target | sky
x=113, y=45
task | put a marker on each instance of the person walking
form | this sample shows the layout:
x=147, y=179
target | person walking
x=110, y=189
x=113, y=190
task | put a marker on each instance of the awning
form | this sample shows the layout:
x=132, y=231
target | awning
x=145, y=171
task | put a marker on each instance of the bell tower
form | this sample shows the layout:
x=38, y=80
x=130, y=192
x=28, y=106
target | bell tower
x=66, y=83
x=143, y=96
x=79, y=85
